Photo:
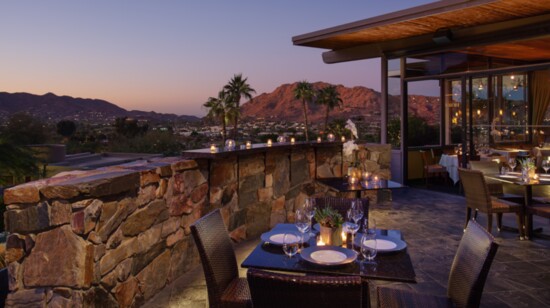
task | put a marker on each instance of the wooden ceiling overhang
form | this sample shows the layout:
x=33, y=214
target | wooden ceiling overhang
x=511, y=29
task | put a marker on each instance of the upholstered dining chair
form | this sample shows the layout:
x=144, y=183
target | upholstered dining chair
x=479, y=199
x=270, y=289
x=431, y=168
x=467, y=277
x=225, y=288
x=342, y=205
x=542, y=210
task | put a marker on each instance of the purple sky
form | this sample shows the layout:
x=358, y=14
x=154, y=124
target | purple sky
x=171, y=55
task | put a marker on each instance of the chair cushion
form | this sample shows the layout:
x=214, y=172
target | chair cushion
x=436, y=168
x=392, y=297
x=500, y=205
x=540, y=210
x=237, y=294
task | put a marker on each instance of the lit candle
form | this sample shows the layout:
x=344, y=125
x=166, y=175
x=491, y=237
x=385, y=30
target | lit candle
x=292, y=140
x=318, y=139
x=344, y=237
x=269, y=142
x=330, y=137
x=366, y=175
x=376, y=179
x=343, y=138
x=213, y=148
x=352, y=180
x=248, y=144
x=320, y=242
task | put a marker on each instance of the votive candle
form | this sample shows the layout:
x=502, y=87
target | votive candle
x=318, y=139
x=213, y=148
x=248, y=144
x=292, y=140
x=366, y=175
x=343, y=138
x=269, y=142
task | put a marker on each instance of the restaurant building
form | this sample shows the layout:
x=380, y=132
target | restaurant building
x=488, y=61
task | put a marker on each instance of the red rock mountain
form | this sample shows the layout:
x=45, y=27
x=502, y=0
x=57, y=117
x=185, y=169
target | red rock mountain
x=281, y=105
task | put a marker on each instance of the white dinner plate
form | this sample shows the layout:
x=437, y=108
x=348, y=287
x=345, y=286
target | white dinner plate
x=276, y=237
x=328, y=255
x=384, y=243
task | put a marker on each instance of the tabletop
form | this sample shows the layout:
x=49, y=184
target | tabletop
x=341, y=184
x=395, y=266
x=515, y=178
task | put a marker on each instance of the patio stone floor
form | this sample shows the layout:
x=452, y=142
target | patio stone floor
x=432, y=224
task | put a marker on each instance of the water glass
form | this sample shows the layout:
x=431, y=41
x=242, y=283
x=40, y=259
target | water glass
x=309, y=209
x=302, y=222
x=368, y=247
x=546, y=165
x=291, y=243
x=512, y=163
x=357, y=207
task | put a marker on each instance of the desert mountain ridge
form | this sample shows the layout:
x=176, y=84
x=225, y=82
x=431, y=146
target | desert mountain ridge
x=356, y=101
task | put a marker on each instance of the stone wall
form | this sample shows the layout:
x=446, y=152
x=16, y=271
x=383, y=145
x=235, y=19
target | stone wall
x=118, y=235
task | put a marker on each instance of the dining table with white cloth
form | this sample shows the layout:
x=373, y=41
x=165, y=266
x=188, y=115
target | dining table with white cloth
x=450, y=162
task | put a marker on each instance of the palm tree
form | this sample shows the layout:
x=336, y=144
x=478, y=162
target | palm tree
x=304, y=91
x=17, y=161
x=219, y=108
x=236, y=89
x=329, y=97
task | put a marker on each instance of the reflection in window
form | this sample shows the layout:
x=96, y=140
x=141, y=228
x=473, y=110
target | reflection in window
x=510, y=115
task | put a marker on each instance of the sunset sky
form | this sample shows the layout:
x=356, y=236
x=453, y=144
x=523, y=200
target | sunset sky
x=170, y=56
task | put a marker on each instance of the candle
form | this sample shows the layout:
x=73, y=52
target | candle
x=366, y=175
x=352, y=180
x=213, y=148
x=292, y=140
x=318, y=139
x=248, y=144
x=269, y=142
x=343, y=138
x=320, y=242
x=330, y=137
x=344, y=237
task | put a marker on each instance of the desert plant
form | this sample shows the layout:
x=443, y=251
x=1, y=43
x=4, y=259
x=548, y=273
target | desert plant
x=304, y=91
x=328, y=217
x=237, y=88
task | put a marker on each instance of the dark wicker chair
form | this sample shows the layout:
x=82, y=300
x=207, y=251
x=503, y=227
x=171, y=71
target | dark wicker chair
x=271, y=289
x=431, y=168
x=479, y=199
x=542, y=210
x=469, y=270
x=225, y=288
x=342, y=205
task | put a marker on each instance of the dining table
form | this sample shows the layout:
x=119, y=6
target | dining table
x=391, y=265
x=341, y=185
x=516, y=179
x=450, y=162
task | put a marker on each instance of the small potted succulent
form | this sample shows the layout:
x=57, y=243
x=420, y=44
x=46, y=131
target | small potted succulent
x=331, y=225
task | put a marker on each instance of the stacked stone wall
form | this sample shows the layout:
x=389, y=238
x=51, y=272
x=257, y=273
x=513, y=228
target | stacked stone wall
x=114, y=237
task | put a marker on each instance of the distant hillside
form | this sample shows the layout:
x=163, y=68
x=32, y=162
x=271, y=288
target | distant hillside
x=51, y=107
x=357, y=101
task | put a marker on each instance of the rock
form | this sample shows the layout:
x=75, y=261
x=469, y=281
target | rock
x=99, y=251
x=265, y=194
x=15, y=276
x=161, y=190
x=146, y=195
x=144, y=259
x=143, y=218
x=85, y=220
x=15, y=248
x=251, y=165
x=27, y=298
x=170, y=226
x=79, y=205
x=60, y=192
x=59, y=301
x=115, y=239
x=98, y=297
x=94, y=238
x=125, y=207
x=179, y=261
x=25, y=193
x=223, y=171
x=239, y=234
x=59, y=258
x=199, y=193
x=148, y=177
x=113, y=257
x=126, y=291
x=153, y=277
x=184, y=165
x=28, y=220
x=178, y=206
x=175, y=237
x=149, y=238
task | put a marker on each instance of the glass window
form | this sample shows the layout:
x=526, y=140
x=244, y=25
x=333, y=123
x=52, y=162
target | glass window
x=511, y=112
x=424, y=113
x=394, y=102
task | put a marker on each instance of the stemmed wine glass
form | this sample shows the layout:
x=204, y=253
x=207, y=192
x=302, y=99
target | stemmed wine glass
x=309, y=209
x=352, y=225
x=291, y=241
x=357, y=207
x=512, y=163
x=302, y=223
x=546, y=165
x=368, y=247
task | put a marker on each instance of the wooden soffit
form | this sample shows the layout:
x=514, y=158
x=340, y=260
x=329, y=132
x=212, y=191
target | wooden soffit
x=412, y=30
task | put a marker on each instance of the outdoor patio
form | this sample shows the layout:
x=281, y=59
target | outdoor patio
x=432, y=224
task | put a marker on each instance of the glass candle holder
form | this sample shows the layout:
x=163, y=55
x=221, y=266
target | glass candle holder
x=318, y=139
x=343, y=138
x=292, y=140
x=330, y=137
x=269, y=142
x=213, y=148
x=248, y=144
x=230, y=144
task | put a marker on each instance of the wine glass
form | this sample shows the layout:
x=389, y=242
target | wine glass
x=369, y=227
x=546, y=165
x=302, y=223
x=351, y=225
x=368, y=247
x=309, y=209
x=291, y=241
x=512, y=163
x=357, y=207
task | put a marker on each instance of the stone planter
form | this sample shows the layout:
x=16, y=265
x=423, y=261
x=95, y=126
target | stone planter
x=331, y=236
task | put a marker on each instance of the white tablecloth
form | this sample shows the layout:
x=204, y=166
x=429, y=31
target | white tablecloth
x=450, y=162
